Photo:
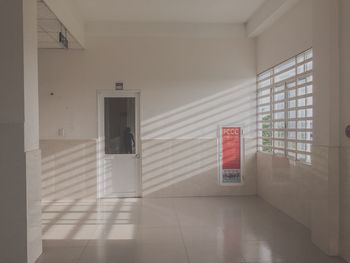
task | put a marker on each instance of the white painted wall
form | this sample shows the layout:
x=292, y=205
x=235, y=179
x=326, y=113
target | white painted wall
x=344, y=121
x=294, y=30
x=310, y=194
x=192, y=78
x=172, y=70
x=267, y=15
x=289, y=36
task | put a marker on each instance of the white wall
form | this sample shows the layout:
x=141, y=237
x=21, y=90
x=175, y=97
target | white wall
x=344, y=121
x=191, y=77
x=310, y=194
x=278, y=179
x=289, y=36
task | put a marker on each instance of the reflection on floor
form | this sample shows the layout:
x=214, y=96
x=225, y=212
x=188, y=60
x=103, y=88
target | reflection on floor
x=192, y=230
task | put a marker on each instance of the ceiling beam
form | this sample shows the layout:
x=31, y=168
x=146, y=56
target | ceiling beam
x=267, y=15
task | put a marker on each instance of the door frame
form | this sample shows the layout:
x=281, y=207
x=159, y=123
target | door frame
x=101, y=94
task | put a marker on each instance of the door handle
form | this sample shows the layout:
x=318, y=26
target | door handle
x=137, y=156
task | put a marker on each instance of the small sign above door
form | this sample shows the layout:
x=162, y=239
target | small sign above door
x=119, y=86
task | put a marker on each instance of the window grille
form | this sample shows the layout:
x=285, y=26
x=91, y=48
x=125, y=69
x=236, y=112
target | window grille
x=285, y=108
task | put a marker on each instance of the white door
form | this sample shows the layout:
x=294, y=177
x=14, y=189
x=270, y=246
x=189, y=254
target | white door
x=119, y=144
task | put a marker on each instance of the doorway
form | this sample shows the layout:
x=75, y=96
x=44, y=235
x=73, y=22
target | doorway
x=119, y=173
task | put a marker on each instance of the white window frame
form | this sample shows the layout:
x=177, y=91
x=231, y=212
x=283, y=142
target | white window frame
x=303, y=61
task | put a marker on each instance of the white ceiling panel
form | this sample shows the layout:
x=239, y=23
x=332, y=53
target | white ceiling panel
x=187, y=11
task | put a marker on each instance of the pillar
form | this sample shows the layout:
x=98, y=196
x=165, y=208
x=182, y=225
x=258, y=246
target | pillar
x=20, y=226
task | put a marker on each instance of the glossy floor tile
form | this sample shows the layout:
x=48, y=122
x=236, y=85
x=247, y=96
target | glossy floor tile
x=174, y=230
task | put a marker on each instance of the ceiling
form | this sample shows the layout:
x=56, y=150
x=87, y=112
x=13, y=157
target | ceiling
x=48, y=29
x=183, y=11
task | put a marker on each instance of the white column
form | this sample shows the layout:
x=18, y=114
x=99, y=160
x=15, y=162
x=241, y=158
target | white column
x=344, y=122
x=325, y=196
x=20, y=228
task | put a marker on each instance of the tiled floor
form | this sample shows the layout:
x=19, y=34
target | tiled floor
x=179, y=230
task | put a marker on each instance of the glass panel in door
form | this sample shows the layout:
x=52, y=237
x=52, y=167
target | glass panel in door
x=120, y=125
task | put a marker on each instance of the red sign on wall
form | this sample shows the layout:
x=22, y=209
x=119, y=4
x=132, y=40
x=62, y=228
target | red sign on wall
x=230, y=170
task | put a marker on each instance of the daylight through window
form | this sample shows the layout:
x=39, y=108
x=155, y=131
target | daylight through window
x=285, y=108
